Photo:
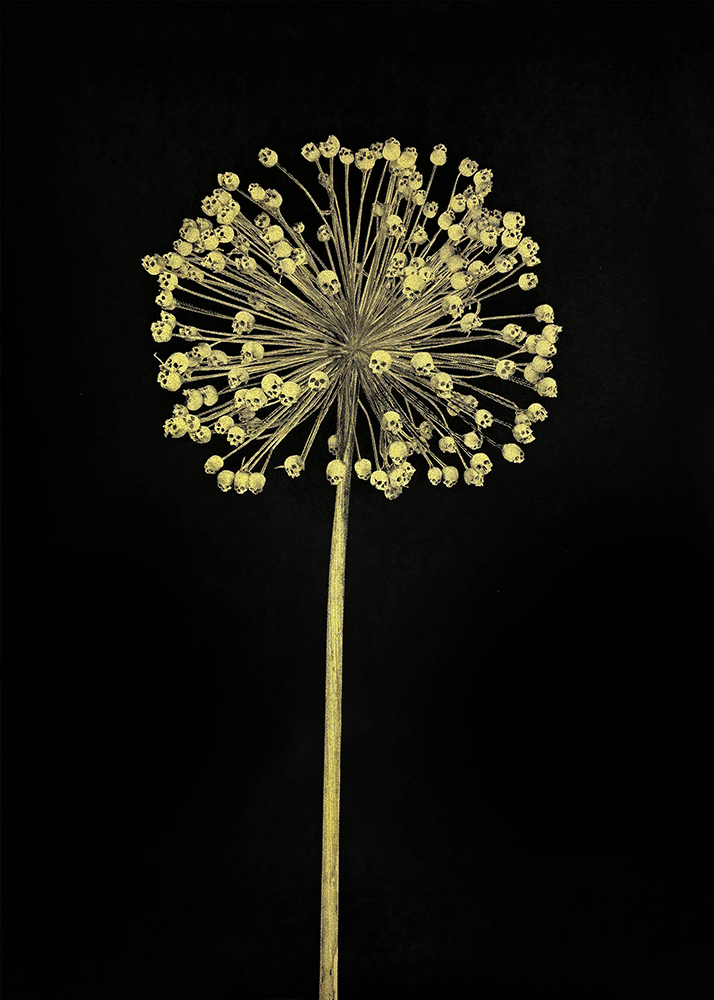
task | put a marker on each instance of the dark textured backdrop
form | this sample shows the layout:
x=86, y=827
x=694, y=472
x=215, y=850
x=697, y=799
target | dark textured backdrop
x=525, y=732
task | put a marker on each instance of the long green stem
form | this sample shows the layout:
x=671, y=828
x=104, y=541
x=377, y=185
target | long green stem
x=329, y=907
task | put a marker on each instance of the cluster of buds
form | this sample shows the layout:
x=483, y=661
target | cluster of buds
x=381, y=325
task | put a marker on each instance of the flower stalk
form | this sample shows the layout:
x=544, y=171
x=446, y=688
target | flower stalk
x=329, y=901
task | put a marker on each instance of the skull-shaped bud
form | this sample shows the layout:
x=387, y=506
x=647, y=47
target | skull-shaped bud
x=550, y=332
x=251, y=351
x=398, y=478
x=210, y=394
x=168, y=281
x=256, y=192
x=201, y=351
x=180, y=410
x=547, y=387
x=425, y=430
x=318, y=381
x=202, y=435
x=273, y=199
x=522, y=417
x=214, y=464
x=223, y=424
x=310, y=152
x=333, y=444
x=398, y=452
x=523, y=434
x=273, y=234
x=379, y=479
x=229, y=181
x=394, y=226
x=446, y=219
x=505, y=368
x=336, y=471
x=364, y=159
x=528, y=281
x=165, y=300
x=544, y=314
x=175, y=427
x=236, y=436
x=541, y=365
x=513, y=220
x=153, y=264
x=531, y=374
x=513, y=333
x=473, y=440
x=194, y=399
x=225, y=234
x=192, y=423
x=504, y=263
x=346, y=155
x=481, y=463
x=469, y=321
x=215, y=261
x=451, y=475
x=237, y=376
x=225, y=480
x=443, y=384
x=407, y=158
x=328, y=283
x=243, y=322
x=241, y=481
x=169, y=380
x=483, y=418
x=392, y=422
x=380, y=362
x=472, y=477
x=288, y=266
x=447, y=444
x=423, y=364
x=216, y=359
x=413, y=286
x=537, y=412
x=255, y=399
x=262, y=222
x=330, y=147
x=456, y=232
x=161, y=332
x=391, y=149
x=271, y=384
x=256, y=482
x=453, y=305
x=459, y=281
x=511, y=239
x=512, y=453
x=467, y=167
x=268, y=157
x=434, y=475
x=289, y=393
x=363, y=468
x=324, y=234
x=294, y=465
x=438, y=155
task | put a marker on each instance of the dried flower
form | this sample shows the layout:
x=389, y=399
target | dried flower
x=381, y=324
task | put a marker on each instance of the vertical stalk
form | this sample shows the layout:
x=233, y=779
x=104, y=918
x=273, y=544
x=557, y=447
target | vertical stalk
x=329, y=906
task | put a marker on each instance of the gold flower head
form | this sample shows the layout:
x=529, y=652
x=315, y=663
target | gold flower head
x=379, y=321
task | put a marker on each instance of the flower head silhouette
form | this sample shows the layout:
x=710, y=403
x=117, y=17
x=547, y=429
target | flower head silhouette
x=384, y=321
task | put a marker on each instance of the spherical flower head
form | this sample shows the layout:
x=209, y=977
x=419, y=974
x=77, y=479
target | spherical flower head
x=372, y=320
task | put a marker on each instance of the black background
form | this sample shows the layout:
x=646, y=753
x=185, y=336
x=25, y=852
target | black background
x=524, y=801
